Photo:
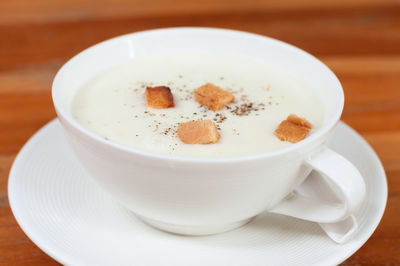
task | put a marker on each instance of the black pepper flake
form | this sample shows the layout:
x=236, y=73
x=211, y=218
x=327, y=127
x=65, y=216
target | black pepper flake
x=246, y=108
x=219, y=118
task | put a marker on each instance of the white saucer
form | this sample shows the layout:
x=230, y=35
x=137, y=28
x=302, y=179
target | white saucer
x=70, y=218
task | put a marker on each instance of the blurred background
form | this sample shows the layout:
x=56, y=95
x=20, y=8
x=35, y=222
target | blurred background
x=358, y=39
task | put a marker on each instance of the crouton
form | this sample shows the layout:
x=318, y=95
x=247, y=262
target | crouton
x=198, y=132
x=159, y=97
x=213, y=97
x=293, y=129
x=299, y=121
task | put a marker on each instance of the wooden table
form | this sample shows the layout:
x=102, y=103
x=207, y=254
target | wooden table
x=359, y=40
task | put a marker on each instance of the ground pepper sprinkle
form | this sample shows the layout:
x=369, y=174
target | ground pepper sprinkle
x=242, y=107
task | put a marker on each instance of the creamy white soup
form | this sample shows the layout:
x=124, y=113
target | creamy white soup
x=113, y=103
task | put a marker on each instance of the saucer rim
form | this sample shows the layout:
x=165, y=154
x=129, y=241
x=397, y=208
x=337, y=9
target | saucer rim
x=66, y=259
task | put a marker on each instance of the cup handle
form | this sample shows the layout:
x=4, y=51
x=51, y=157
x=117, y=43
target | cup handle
x=344, y=179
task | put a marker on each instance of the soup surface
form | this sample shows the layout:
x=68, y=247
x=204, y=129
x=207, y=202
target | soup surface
x=113, y=104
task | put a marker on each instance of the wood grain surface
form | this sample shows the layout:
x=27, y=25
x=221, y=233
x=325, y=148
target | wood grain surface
x=358, y=39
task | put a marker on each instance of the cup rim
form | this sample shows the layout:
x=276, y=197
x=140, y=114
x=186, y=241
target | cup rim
x=322, y=131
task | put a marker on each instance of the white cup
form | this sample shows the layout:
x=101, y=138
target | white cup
x=197, y=196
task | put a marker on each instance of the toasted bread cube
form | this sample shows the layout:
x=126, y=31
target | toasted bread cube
x=198, y=132
x=299, y=121
x=213, y=97
x=293, y=129
x=159, y=97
